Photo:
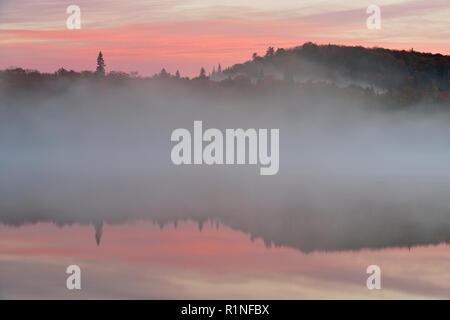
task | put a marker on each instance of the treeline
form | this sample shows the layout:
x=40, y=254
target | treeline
x=17, y=78
x=381, y=68
x=396, y=78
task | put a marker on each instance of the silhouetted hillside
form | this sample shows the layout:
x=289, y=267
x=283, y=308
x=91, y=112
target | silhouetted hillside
x=393, y=79
x=381, y=69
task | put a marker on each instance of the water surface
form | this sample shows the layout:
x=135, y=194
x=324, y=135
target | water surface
x=143, y=260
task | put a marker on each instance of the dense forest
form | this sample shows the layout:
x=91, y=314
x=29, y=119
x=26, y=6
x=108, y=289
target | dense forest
x=393, y=78
x=378, y=67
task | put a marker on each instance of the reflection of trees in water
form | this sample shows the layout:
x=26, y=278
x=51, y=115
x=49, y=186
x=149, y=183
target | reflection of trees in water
x=98, y=231
x=341, y=224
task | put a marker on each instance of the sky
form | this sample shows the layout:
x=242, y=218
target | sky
x=147, y=35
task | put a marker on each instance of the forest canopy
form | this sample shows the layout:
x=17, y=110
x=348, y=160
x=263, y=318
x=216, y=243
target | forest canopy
x=395, y=78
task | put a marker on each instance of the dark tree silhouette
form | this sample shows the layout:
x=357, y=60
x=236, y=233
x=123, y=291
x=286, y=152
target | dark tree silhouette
x=100, y=65
x=270, y=52
x=164, y=74
x=202, y=73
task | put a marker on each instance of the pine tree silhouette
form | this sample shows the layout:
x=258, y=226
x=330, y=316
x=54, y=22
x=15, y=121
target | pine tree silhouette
x=100, y=65
x=202, y=73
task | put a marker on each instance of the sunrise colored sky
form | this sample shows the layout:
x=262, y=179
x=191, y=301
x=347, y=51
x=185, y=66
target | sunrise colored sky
x=146, y=35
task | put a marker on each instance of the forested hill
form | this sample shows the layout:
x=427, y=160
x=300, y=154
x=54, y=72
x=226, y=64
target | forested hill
x=374, y=67
x=395, y=78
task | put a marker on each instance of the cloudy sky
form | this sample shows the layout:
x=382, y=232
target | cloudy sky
x=146, y=35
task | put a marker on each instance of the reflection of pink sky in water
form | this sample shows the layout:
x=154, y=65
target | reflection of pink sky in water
x=143, y=261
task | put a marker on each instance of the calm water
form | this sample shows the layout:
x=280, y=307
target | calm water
x=187, y=259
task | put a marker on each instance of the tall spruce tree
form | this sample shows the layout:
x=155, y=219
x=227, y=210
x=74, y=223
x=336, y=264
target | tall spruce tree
x=100, y=65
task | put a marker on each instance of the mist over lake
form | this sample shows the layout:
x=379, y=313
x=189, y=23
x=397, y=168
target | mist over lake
x=353, y=174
